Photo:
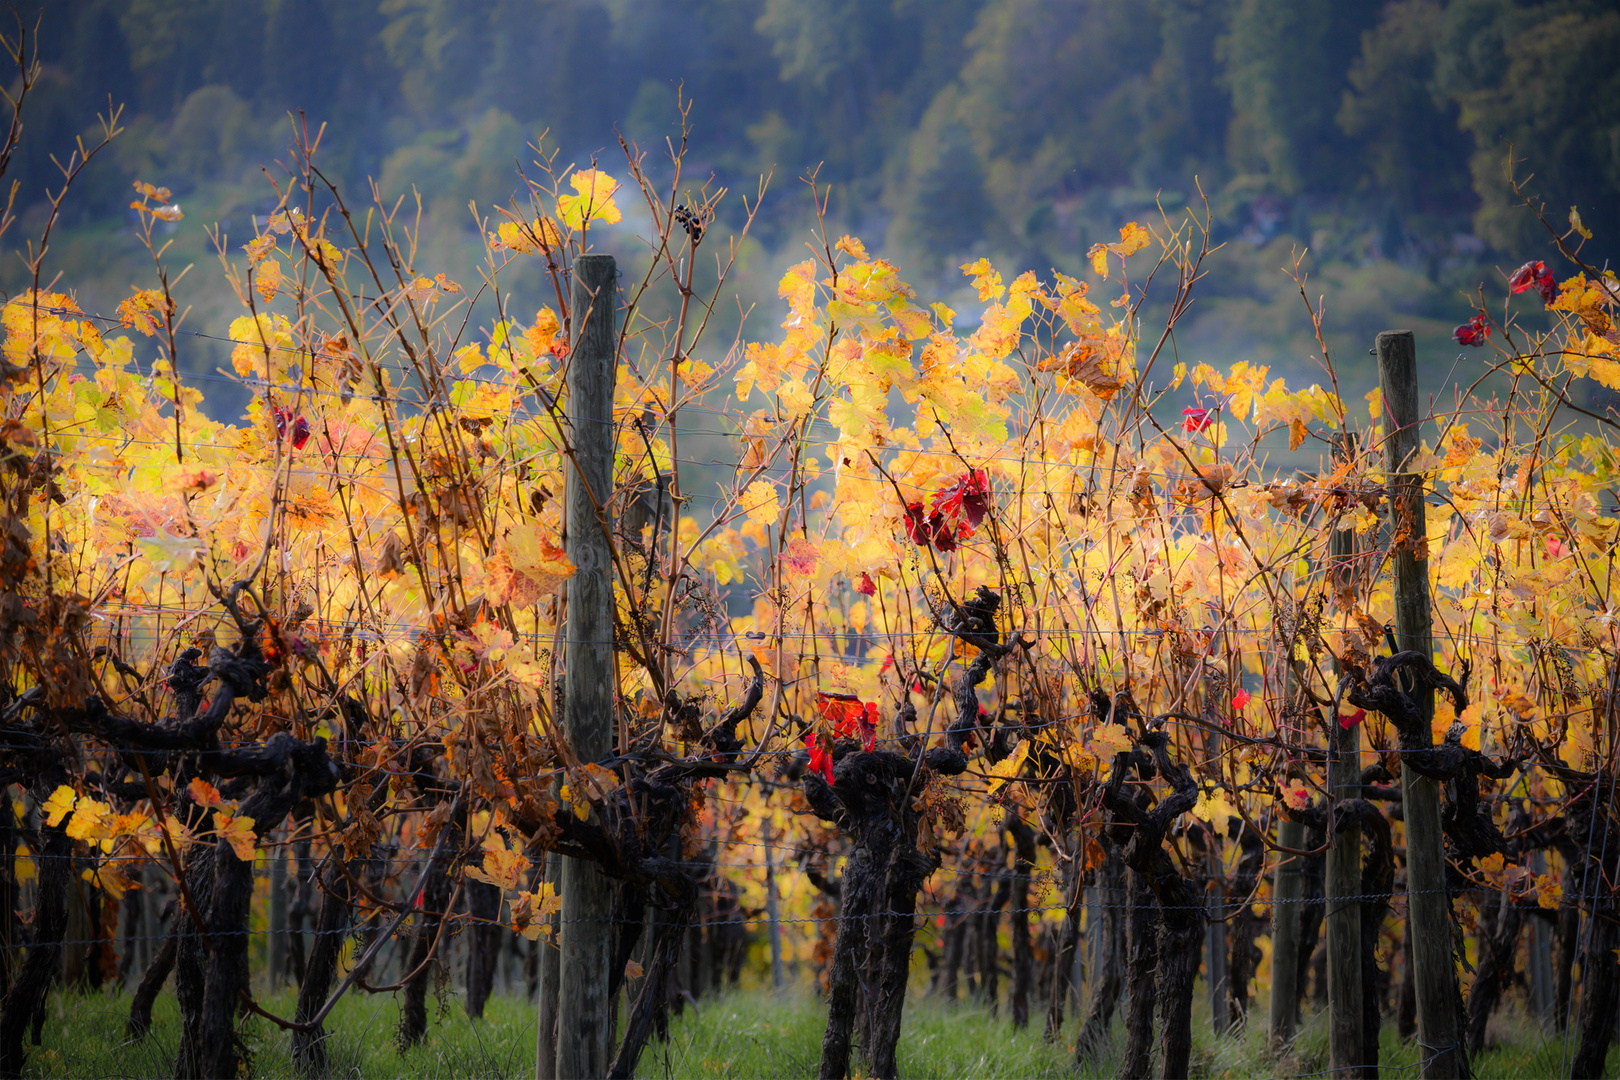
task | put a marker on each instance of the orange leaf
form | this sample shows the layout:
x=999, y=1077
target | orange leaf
x=204, y=794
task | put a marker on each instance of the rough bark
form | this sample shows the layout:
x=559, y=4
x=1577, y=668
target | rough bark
x=1592, y=847
x=320, y=969
x=1108, y=973
x=872, y=800
x=1406, y=1007
x=956, y=930
x=211, y=977
x=147, y=990
x=989, y=942
x=26, y=998
x=422, y=958
x=485, y=936
x=1600, y=992
x=1244, y=925
x=862, y=886
x=1061, y=982
x=1181, y=911
x=907, y=870
x=1568, y=941
x=1377, y=884
x=669, y=927
x=10, y=894
x=1144, y=944
x=1499, y=942
x=1023, y=970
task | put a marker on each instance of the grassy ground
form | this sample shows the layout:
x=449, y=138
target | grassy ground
x=744, y=1034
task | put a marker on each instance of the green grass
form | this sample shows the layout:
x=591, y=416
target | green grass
x=745, y=1034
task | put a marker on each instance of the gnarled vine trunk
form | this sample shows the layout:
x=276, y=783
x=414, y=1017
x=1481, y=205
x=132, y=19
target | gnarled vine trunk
x=1108, y=976
x=26, y=998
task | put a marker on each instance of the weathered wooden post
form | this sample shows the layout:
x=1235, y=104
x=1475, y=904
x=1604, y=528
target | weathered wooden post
x=1215, y=970
x=1343, y=876
x=1215, y=956
x=584, y=1013
x=548, y=965
x=1286, y=890
x=1540, y=968
x=773, y=911
x=1428, y=904
x=275, y=964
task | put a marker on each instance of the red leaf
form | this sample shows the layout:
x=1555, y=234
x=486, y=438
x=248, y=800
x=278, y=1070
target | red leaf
x=285, y=420
x=916, y=524
x=866, y=586
x=866, y=724
x=1241, y=698
x=820, y=756
x=842, y=711
x=1474, y=332
x=1533, y=273
x=930, y=531
x=849, y=715
x=1196, y=419
x=962, y=506
x=1350, y=720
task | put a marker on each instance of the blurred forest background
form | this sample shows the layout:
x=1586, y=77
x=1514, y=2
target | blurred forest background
x=1375, y=134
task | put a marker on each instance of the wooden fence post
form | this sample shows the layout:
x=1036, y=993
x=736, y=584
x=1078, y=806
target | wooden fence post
x=1287, y=916
x=1286, y=890
x=1215, y=956
x=1343, y=876
x=1428, y=904
x=547, y=978
x=1216, y=973
x=275, y=963
x=584, y=1013
x=773, y=909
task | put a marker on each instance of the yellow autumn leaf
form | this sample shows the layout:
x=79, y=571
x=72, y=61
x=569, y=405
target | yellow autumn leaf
x=852, y=247
x=531, y=909
x=1132, y=238
x=1214, y=808
x=1549, y=890
x=268, y=279
x=146, y=310
x=502, y=868
x=526, y=567
x=237, y=831
x=760, y=503
x=92, y=820
x=985, y=279
x=1008, y=767
x=592, y=201
x=1109, y=739
x=260, y=247
x=59, y=805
